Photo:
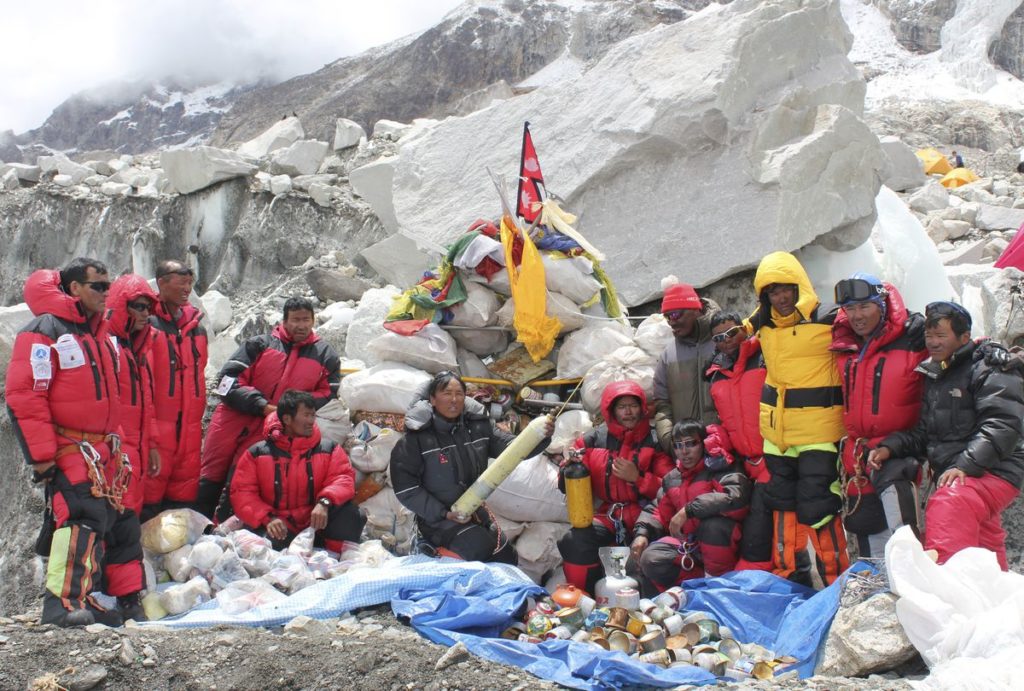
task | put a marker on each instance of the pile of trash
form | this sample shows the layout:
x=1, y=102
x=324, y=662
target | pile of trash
x=186, y=564
x=460, y=317
x=657, y=631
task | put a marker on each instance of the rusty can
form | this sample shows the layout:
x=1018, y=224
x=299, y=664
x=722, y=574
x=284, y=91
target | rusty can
x=637, y=624
x=652, y=641
x=618, y=618
x=672, y=624
x=600, y=642
x=622, y=641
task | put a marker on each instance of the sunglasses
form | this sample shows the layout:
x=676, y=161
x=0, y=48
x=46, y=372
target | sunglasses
x=676, y=314
x=856, y=290
x=142, y=306
x=98, y=286
x=726, y=335
x=686, y=444
x=947, y=309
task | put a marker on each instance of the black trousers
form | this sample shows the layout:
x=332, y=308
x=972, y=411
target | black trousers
x=344, y=524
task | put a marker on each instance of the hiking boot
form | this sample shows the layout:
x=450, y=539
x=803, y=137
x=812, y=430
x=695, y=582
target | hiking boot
x=102, y=615
x=131, y=607
x=78, y=617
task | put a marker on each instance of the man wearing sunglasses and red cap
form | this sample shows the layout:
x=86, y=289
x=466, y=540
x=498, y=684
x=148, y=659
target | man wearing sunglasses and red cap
x=62, y=397
x=970, y=433
x=680, y=391
x=878, y=345
x=179, y=390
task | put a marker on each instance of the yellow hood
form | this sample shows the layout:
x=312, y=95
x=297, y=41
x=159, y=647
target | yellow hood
x=783, y=267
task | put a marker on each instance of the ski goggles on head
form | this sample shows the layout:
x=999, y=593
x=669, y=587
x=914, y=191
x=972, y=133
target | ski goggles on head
x=851, y=290
x=726, y=335
x=945, y=308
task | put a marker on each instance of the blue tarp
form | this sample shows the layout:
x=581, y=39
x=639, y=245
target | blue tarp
x=449, y=601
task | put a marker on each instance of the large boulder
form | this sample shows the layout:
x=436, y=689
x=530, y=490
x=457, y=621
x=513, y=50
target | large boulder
x=931, y=197
x=905, y=170
x=347, y=133
x=991, y=217
x=373, y=182
x=282, y=133
x=368, y=323
x=398, y=260
x=301, y=158
x=24, y=171
x=333, y=285
x=190, y=170
x=62, y=165
x=217, y=308
x=865, y=639
x=995, y=299
x=740, y=124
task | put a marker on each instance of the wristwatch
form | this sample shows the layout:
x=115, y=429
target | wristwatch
x=324, y=502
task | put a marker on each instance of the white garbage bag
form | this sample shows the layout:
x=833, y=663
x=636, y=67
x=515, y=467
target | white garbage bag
x=965, y=617
x=430, y=349
x=558, y=306
x=386, y=518
x=178, y=565
x=570, y=276
x=530, y=493
x=368, y=323
x=568, y=426
x=183, y=597
x=334, y=421
x=204, y=555
x=498, y=283
x=653, y=335
x=389, y=387
x=470, y=364
x=478, y=309
x=538, y=548
x=628, y=363
x=372, y=453
x=482, y=342
x=583, y=349
x=171, y=529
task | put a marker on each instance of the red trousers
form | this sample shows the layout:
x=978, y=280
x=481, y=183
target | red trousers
x=969, y=515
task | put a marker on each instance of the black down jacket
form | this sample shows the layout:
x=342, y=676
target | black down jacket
x=436, y=460
x=970, y=418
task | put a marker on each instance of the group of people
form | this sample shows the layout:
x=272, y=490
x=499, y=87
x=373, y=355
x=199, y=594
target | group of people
x=769, y=438
x=107, y=391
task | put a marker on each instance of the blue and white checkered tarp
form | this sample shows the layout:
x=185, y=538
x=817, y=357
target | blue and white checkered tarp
x=449, y=601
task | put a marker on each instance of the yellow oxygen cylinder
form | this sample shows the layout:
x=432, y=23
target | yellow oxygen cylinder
x=579, y=495
x=502, y=467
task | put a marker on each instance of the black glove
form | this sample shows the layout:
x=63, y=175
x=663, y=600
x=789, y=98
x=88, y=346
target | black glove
x=998, y=357
x=914, y=328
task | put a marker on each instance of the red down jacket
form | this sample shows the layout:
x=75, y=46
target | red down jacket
x=134, y=379
x=179, y=395
x=736, y=391
x=881, y=390
x=262, y=369
x=81, y=397
x=283, y=477
x=639, y=445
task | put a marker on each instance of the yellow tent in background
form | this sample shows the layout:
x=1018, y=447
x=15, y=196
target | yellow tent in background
x=934, y=161
x=958, y=177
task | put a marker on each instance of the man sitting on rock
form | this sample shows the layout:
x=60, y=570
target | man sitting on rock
x=292, y=356
x=293, y=480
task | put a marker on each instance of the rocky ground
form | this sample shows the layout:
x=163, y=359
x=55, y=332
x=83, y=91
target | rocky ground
x=368, y=650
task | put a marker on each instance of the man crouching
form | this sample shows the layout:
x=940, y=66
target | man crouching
x=294, y=479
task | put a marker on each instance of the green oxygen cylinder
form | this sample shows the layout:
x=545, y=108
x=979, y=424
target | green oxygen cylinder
x=579, y=496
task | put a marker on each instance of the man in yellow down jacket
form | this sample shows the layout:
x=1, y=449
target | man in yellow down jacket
x=801, y=420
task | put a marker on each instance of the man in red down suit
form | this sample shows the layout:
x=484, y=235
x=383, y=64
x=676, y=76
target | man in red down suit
x=292, y=356
x=878, y=346
x=129, y=304
x=178, y=362
x=294, y=479
x=696, y=521
x=62, y=397
x=737, y=375
x=626, y=466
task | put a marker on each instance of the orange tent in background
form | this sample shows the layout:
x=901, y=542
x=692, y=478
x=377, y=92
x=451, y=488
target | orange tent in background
x=958, y=177
x=934, y=161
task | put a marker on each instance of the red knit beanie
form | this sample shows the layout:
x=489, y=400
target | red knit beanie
x=679, y=296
